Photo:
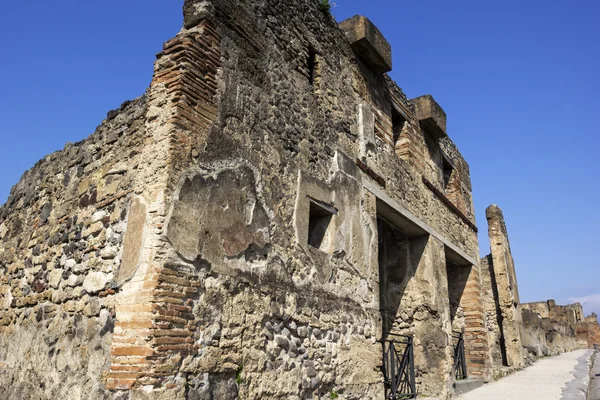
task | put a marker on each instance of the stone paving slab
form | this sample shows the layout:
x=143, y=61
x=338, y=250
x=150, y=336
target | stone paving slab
x=578, y=387
x=595, y=386
x=552, y=378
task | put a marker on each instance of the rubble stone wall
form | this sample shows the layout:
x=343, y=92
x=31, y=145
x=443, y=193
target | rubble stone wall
x=549, y=329
x=62, y=232
x=177, y=253
x=284, y=135
x=588, y=332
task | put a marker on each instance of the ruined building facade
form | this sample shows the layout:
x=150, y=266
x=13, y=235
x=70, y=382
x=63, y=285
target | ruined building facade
x=519, y=333
x=261, y=224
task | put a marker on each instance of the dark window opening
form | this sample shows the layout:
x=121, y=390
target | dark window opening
x=319, y=222
x=398, y=123
x=313, y=66
x=448, y=171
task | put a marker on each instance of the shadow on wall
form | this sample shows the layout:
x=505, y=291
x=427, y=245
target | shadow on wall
x=458, y=276
x=499, y=318
x=399, y=257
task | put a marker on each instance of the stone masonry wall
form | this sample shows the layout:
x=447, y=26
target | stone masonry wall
x=549, y=329
x=588, y=332
x=172, y=254
x=521, y=333
x=157, y=329
x=287, y=151
x=61, y=245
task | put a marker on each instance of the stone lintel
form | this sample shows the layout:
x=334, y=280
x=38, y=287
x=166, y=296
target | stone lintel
x=412, y=225
x=369, y=43
x=430, y=115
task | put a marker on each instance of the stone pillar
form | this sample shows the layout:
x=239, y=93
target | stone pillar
x=503, y=270
x=477, y=351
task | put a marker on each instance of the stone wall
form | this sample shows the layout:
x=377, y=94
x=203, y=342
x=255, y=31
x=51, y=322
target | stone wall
x=258, y=225
x=588, y=332
x=549, y=329
x=253, y=227
x=493, y=314
x=61, y=245
x=517, y=333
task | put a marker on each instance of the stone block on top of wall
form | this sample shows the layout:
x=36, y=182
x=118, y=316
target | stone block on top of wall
x=369, y=43
x=430, y=115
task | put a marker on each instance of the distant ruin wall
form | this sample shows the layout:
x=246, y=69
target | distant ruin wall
x=549, y=329
x=518, y=334
x=588, y=332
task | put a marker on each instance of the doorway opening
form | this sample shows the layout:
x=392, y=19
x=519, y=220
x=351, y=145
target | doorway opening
x=458, y=276
x=393, y=270
x=397, y=265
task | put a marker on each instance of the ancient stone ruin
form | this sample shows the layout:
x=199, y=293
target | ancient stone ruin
x=519, y=333
x=273, y=219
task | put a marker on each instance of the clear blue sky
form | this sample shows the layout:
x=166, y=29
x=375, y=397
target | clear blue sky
x=518, y=80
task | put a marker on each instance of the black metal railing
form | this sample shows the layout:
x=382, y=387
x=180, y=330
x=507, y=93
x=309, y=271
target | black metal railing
x=460, y=364
x=399, y=367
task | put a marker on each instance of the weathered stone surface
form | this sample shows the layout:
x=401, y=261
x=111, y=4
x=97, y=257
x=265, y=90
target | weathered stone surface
x=588, y=332
x=66, y=355
x=52, y=342
x=264, y=217
x=505, y=291
x=595, y=383
x=521, y=333
x=219, y=215
x=133, y=242
x=94, y=282
x=579, y=387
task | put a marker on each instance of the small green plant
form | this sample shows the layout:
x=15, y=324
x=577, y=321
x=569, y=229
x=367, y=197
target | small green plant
x=334, y=395
x=238, y=375
x=325, y=6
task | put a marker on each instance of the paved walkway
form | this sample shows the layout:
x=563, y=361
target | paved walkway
x=595, y=389
x=545, y=380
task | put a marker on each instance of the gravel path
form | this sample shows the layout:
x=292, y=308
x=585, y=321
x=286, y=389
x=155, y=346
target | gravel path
x=564, y=377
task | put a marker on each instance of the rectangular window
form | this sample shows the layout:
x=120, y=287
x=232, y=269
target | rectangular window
x=398, y=122
x=312, y=64
x=448, y=172
x=319, y=225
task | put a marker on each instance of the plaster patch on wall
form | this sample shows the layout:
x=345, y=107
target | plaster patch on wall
x=218, y=215
x=134, y=241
